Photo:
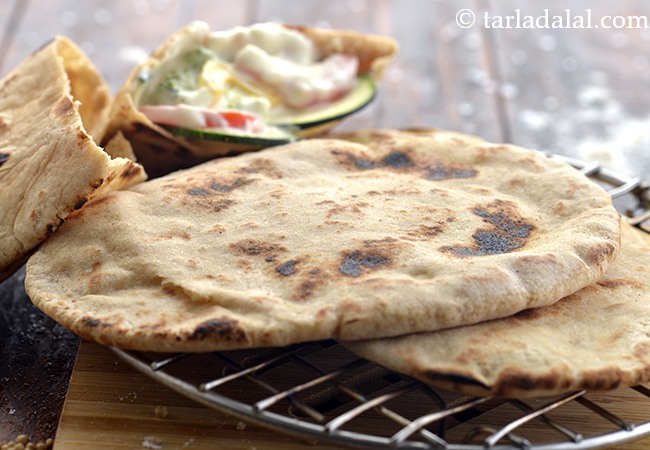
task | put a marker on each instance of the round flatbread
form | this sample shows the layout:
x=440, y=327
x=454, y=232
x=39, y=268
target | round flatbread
x=49, y=163
x=596, y=339
x=326, y=238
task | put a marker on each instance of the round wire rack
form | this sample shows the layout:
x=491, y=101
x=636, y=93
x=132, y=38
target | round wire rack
x=320, y=391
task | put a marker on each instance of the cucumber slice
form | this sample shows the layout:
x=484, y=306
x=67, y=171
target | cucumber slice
x=222, y=136
x=293, y=123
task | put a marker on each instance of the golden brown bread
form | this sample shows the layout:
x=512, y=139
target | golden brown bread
x=49, y=163
x=326, y=238
x=597, y=338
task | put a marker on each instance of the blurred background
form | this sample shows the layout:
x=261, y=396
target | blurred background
x=583, y=92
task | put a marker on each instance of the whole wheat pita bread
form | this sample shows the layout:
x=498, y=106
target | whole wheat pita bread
x=49, y=164
x=326, y=238
x=161, y=151
x=597, y=338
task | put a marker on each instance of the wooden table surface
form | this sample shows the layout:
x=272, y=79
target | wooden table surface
x=583, y=93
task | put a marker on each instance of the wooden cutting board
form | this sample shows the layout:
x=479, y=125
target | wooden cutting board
x=109, y=405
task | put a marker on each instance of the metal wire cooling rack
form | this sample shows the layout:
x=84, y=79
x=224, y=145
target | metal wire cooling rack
x=322, y=392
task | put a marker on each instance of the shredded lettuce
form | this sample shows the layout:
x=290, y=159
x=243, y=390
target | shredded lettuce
x=181, y=80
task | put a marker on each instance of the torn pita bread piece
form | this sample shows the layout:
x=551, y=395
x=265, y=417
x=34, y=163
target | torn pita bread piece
x=597, y=339
x=326, y=238
x=49, y=163
x=204, y=93
x=87, y=87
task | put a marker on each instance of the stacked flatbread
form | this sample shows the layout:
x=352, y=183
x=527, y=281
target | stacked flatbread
x=326, y=238
x=49, y=163
x=596, y=339
x=483, y=268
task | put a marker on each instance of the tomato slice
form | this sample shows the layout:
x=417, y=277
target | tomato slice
x=237, y=119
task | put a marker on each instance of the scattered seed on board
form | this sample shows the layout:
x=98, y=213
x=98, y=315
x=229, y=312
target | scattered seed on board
x=23, y=442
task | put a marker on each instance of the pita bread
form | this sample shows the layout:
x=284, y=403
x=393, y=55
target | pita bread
x=161, y=152
x=596, y=339
x=49, y=164
x=326, y=238
x=87, y=87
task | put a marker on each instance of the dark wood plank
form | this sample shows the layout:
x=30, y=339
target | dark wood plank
x=112, y=406
x=578, y=92
x=36, y=361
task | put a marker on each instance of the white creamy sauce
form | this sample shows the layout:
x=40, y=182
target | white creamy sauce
x=272, y=38
x=264, y=70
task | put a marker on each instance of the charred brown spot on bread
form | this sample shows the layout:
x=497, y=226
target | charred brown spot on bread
x=397, y=159
x=352, y=160
x=64, y=108
x=507, y=231
x=203, y=198
x=596, y=255
x=228, y=186
x=352, y=208
x=52, y=227
x=400, y=160
x=313, y=279
x=217, y=228
x=288, y=268
x=357, y=262
x=602, y=379
x=206, y=185
x=132, y=171
x=486, y=152
x=95, y=277
x=185, y=236
x=223, y=328
x=440, y=171
x=90, y=322
x=614, y=283
x=263, y=166
x=426, y=232
x=254, y=247
x=4, y=157
x=80, y=203
x=512, y=380
x=516, y=183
